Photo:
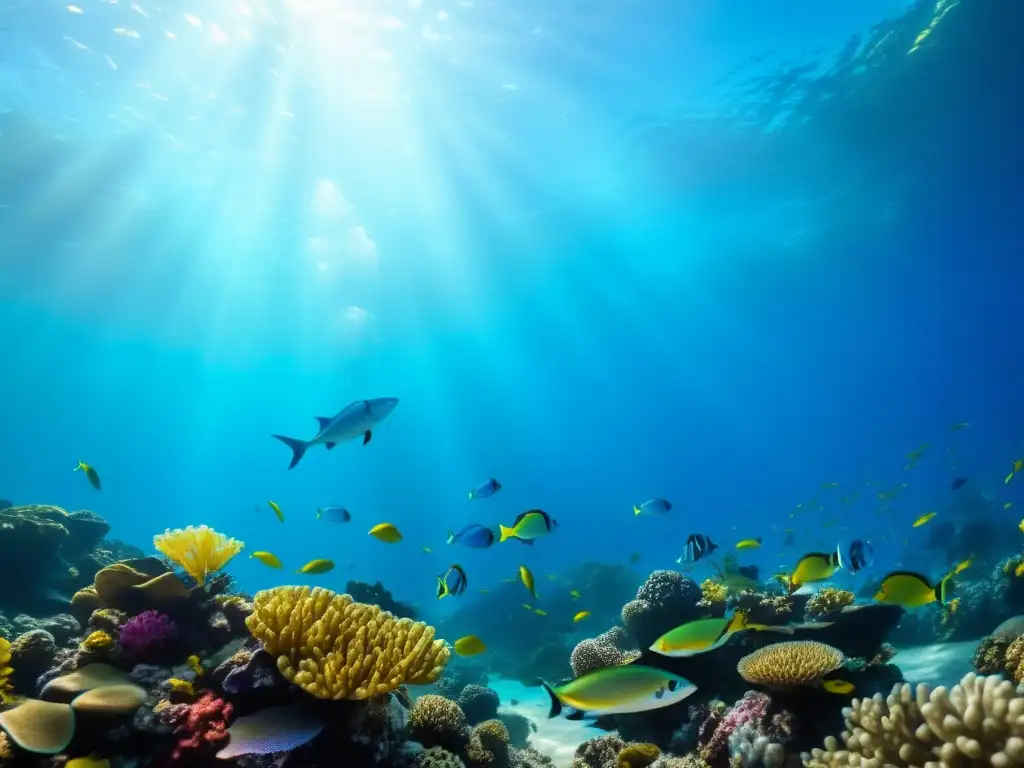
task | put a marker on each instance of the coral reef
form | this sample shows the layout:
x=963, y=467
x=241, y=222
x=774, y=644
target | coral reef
x=599, y=652
x=148, y=632
x=335, y=648
x=827, y=602
x=376, y=594
x=663, y=602
x=478, y=703
x=785, y=665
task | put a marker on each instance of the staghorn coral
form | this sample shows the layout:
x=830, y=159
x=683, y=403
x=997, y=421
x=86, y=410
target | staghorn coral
x=827, y=602
x=789, y=664
x=712, y=593
x=637, y=755
x=334, y=648
x=438, y=722
x=594, y=653
x=980, y=721
x=199, y=551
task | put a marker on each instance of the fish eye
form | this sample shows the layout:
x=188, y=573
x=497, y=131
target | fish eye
x=673, y=684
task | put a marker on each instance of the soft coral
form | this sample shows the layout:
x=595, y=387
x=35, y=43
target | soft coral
x=201, y=723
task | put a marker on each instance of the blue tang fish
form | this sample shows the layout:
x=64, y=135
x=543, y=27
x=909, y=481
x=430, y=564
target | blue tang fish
x=354, y=420
x=451, y=582
x=485, y=490
x=334, y=514
x=652, y=507
x=473, y=535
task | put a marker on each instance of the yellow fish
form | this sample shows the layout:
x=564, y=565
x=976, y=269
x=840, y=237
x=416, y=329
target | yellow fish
x=267, y=558
x=387, y=533
x=470, y=645
x=1021, y=525
x=838, y=686
x=317, y=566
x=527, y=578
x=923, y=519
x=540, y=611
x=181, y=686
x=749, y=543
x=90, y=474
x=962, y=566
x=581, y=616
x=575, y=593
x=812, y=567
x=912, y=590
x=195, y=665
x=1020, y=570
x=277, y=510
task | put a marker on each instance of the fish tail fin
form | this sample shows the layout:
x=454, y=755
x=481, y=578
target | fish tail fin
x=556, y=704
x=319, y=513
x=636, y=510
x=942, y=589
x=506, y=533
x=299, y=448
x=442, y=588
x=451, y=536
x=80, y=465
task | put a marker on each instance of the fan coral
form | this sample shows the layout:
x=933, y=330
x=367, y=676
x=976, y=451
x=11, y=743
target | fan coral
x=479, y=703
x=594, y=653
x=200, y=551
x=146, y=632
x=437, y=722
x=783, y=665
x=5, y=671
x=334, y=648
x=637, y=755
x=828, y=601
x=978, y=722
x=712, y=593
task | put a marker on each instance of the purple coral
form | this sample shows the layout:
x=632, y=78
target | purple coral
x=146, y=632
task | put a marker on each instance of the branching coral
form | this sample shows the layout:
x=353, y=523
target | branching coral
x=978, y=722
x=199, y=551
x=712, y=593
x=828, y=601
x=785, y=665
x=334, y=648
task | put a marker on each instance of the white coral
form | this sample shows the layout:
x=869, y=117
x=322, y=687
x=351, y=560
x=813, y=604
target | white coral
x=978, y=722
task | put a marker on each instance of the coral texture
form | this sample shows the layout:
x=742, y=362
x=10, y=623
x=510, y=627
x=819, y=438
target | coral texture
x=5, y=670
x=437, y=722
x=978, y=722
x=479, y=703
x=334, y=648
x=199, y=551
x=782, y=665
x=146, y=632
x=200, y=726
x=828, y=601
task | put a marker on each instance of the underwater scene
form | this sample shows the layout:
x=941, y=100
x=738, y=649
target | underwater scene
x=511, y=384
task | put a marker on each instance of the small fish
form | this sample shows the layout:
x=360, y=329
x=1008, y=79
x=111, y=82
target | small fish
x=618, y=690
x=812, y=567
x=317, y=566
x=540, y=611
x=959, y=425
x=484, y=591
x=581, y=616
x=527, y=578
x=177, y=685
x=575, y=593
x=858, y=556
x=1007, y=505
x=356, y=419
x=195, y=665
x=923, y=519
x=912, y=590
x=1017, y=466
x=451, y=582
x=470, y=645
x=474, y=535
x=830, y=485
x=838, y=686
x=90, y=474
x=277, y=510
x=961, y=566
x=789, y=537
x=703, y=635
x=528, y=526
x=653, y=507
x=268, y=559
x=957, y=483
x=386, y=532
x=510, y=580
x=697, y=546
x=749, y=543
x=334, y=514
x=485, y=490
x=526, y=606
x=634, y=558
x=428, y=550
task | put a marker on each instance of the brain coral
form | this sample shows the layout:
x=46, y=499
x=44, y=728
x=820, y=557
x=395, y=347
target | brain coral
x=595, y=653
x=799, y=662
x=437, y=722
x=978, y=722
x=335, y=648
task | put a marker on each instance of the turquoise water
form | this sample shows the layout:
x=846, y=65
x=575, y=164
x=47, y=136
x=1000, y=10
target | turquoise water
x=718, y=253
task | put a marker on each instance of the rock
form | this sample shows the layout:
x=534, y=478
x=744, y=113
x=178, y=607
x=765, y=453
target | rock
x=85, y=530
x=32, y=653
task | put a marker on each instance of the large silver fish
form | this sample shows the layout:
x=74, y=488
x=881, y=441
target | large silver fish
x=354, y=420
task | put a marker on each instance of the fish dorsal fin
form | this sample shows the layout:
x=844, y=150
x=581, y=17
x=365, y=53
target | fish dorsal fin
x=323, y=421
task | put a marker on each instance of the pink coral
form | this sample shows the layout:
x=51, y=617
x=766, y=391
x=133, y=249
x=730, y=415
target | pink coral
x=203, y=722
x=753, y=707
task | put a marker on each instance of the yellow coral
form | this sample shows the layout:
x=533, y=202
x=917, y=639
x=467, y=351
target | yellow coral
x=782, y=665
x=828, y=600
x=712, y=593
x=97, y=641
x=638, y=755
x=199, y=551
x=335, y=648
x=5, y=671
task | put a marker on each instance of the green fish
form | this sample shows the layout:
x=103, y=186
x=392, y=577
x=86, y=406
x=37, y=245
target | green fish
x=618, y=690
x=705, y=635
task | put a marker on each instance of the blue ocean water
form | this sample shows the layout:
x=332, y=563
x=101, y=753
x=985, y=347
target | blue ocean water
x=601, y=251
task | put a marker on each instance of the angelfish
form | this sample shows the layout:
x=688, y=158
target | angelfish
x=354, y=420
x=618, y=690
